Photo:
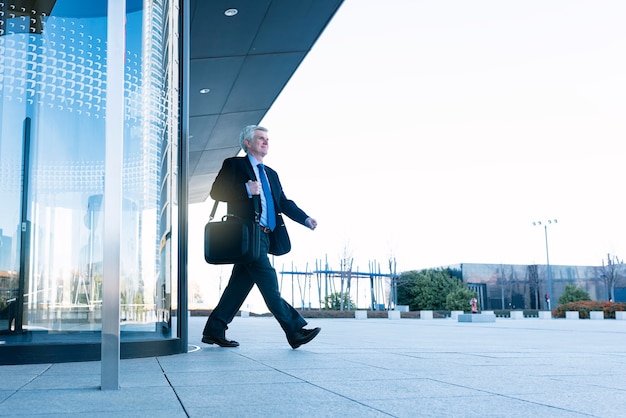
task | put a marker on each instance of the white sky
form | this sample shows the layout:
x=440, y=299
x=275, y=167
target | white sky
x=436, y=132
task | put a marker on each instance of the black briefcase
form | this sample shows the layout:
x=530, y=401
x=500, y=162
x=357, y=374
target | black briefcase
x=232, y=240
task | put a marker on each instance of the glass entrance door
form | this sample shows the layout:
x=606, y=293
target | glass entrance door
x=52, y=171
x=16, y=110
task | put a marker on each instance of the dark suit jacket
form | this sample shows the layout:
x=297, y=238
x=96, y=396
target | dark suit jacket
x=230, y=187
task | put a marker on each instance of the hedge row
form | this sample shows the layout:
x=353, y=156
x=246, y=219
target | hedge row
x=585, y=306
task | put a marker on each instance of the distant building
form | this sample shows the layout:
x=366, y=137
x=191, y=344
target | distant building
x=511, y=286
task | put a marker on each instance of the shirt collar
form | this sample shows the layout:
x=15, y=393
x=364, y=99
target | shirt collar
x=253, y=160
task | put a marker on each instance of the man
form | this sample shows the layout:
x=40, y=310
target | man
x=242, y=182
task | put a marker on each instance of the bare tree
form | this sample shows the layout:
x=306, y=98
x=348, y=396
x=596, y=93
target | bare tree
x=532, y=274
x=501, y=281
x=514, y=283
x=611, y=273
x=345, y=276
x=393, y=283
x=196, y=292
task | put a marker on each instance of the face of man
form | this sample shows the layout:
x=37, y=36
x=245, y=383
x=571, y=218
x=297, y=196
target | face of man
x=259, y=145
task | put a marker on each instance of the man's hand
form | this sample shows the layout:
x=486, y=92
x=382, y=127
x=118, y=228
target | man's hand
x=254, y=187
x=311, y=223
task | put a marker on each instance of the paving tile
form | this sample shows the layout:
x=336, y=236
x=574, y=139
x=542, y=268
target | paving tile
x=290, y=409
x=4, y=395
x=229, y=378
x=18, y=376
x=468, y=407
x=254, y=394
x=23, y=369
x=599, y=402
x=399, y=389
x=86, y=401
x=353, y=374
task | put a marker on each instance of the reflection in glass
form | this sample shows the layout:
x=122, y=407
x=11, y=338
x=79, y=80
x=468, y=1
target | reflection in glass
x=53, y=74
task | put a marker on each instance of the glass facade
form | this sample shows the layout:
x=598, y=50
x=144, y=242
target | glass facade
x=510, y=286
x=53, y=84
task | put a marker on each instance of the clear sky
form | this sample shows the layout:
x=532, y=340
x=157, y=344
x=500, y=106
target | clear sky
x=436, y=132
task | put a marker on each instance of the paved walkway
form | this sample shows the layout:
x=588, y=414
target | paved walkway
x=354, y=368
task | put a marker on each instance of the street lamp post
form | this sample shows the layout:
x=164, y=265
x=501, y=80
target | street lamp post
x=548, y=273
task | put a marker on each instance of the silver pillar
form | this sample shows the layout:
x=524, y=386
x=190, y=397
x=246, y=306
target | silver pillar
x=116, y=46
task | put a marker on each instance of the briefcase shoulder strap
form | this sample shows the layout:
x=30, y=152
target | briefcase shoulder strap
x=257, y=211
x=212, y=215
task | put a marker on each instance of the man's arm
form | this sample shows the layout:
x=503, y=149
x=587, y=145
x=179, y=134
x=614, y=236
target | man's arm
x=292, y=210
x=230, y=183
x=287, y=206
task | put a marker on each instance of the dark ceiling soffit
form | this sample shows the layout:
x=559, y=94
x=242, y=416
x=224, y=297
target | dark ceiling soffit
x=246, y=63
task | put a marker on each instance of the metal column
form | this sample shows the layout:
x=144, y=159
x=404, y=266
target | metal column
x=116, y=47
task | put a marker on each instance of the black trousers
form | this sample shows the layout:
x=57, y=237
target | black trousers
x=242, y=278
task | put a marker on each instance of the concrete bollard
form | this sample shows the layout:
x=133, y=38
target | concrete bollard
x=572, y=315
x=545, y=315
x=455, y=314
x=393, y=314
x=426, y=314
x=620, y=315
x=596, y=315
x=360, y=314
x=517, y=315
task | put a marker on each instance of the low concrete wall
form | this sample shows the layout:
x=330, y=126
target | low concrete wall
x=477, y=318
x=620, y=315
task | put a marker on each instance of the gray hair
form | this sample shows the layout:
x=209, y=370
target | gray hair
x=248, y=133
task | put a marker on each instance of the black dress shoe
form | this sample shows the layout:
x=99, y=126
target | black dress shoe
x=303, y=336
x=222, y=342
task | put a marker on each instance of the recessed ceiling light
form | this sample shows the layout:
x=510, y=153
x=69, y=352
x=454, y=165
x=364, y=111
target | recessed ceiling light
x=231, y=12
x=204, y=91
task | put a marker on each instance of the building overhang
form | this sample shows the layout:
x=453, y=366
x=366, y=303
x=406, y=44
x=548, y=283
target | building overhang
x=239, y=63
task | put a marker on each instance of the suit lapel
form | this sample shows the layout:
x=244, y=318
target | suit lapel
x=249, y=169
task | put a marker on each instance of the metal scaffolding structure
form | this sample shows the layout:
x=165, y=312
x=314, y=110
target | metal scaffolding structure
x=382, y=286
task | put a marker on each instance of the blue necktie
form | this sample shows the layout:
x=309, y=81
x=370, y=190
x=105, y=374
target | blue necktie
x=269, y=200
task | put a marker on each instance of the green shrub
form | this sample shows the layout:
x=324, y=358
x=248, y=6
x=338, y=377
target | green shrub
x=459, y=299
x=585, y=306
x=573, y=294
x=333, y=302
x=428, y=289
